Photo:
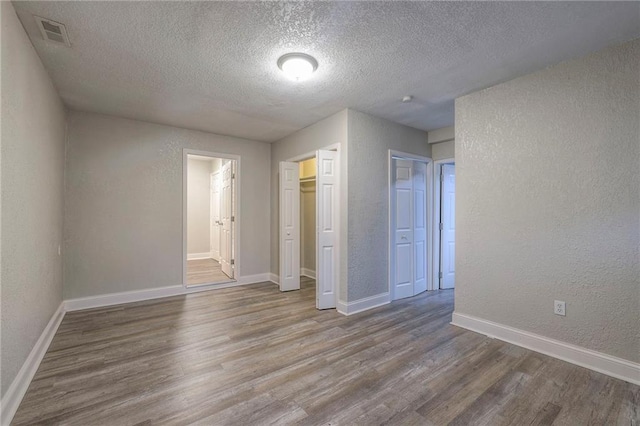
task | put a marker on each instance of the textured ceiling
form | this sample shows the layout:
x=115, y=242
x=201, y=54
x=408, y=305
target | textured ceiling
x=212, y=65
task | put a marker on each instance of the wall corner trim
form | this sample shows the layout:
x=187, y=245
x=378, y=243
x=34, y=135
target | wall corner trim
x=274, y=278
x=597, y=361
x=309, y=273
x=18, y=388
x=361, y=305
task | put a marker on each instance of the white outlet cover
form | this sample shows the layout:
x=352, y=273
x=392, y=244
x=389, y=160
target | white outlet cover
x=559, y=307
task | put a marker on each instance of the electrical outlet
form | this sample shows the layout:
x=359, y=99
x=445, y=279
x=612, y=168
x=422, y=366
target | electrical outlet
x=559, y=307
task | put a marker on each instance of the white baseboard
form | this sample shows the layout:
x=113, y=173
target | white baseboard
x=156, y=293
x=309, y=273
x=122, y=297
x=593, y=360
x=350, y=308
x=254, y=279
x=274, y=278
x=20, y=384
x=196, y=256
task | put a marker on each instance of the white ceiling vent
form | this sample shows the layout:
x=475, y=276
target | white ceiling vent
x=53, y=31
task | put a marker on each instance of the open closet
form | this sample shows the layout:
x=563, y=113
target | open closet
x=308, y=218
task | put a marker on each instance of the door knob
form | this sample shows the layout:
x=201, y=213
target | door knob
x=404, y=237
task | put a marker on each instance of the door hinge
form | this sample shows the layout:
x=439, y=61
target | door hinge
x=440, y=275
x=441, y=226
x=233, y=262
x=233, y=175
x=233, y=218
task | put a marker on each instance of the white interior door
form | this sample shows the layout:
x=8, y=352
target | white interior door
x=215, y=216
x=419, y=227
x=289, y=226
x=402, y=228
x=226, y=213
x=327, y=224
x=448, y=226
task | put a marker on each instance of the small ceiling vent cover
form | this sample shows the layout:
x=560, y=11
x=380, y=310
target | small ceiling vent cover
x=53, y=31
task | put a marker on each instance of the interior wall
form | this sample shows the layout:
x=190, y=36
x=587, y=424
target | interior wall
x=32, y=155
x=548, y=206
x=331, y=130
x=308, y=225
x=198, y=205
x=123, y=227
x=443, y=150
x=370, y=139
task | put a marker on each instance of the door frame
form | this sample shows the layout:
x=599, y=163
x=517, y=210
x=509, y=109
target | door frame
x=306, y=156
x=394, y=154
x=437, y=201
x=236, y=209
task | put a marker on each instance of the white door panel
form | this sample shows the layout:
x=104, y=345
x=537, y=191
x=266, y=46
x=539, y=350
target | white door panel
x=327, y=253
x=215, y=216
x=419, y=227
x=448, y=233
x=289, y=226
x=409, y=228
x=226, y=214
x=403, y=232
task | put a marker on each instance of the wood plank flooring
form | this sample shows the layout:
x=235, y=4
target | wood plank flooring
x=252, y=355
x=205, y=271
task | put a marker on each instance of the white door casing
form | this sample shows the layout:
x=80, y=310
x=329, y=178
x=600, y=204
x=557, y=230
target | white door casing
x=448, y=232
x=327, y=227
x=402, y=220
x=419, y=227
x=226, y=212
x=289, y=193
x=215, y=216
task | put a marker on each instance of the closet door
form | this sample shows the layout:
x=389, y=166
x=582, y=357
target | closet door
x=289, y=226
x=327, y=222
x=402, y=229
x=419, y=227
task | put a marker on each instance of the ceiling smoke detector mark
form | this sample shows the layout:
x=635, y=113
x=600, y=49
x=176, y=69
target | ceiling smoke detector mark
x=52, y=31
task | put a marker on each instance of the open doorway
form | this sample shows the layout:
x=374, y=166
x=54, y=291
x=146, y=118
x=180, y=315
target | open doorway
x=210, y=226
x=445, y=238
x=309, y=224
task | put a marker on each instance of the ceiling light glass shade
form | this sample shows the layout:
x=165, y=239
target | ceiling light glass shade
x=297, y=66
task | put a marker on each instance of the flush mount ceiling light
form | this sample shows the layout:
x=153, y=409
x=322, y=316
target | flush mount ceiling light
x=297, y=66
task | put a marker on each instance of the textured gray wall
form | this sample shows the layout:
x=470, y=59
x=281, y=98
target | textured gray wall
x=370, y=138
x=123, y=222
x=33, y=134
x=548, y=202
x=327, y=132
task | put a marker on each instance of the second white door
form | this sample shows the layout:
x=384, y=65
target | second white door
x=408, y=228
x=327, y=225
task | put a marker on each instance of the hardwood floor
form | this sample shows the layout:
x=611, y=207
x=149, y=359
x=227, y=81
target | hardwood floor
x=252, y=355
x=205, y=271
